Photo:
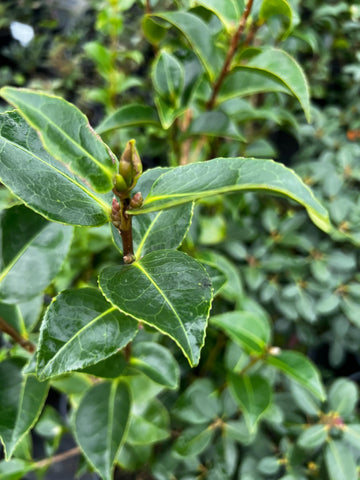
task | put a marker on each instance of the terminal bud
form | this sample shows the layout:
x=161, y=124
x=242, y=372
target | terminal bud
x=130, y=166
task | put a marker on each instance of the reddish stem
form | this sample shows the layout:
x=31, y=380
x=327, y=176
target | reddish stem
x=8, y=329
x=230, y=55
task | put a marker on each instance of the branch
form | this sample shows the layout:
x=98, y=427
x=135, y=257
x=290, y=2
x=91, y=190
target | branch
x=9, y=330
x=230, y=54
x=58, y=458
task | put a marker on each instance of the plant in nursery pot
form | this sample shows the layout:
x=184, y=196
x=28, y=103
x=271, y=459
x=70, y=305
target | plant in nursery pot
x=65, y=175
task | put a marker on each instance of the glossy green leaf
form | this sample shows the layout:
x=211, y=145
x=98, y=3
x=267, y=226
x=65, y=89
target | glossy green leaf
x=242, y=82
x=168, y=77
x=132, y=458
x=156, y=230
x=270, y=8
x=50, y=424
x=339, y=461
x=156, y=362
x=193, y=440
x=217, y=277
x=21, y=401
x=80, y=328
x=167, y=112
x=253, y=394
x=166, y=289
x=215, y=124
x=110, y=367
x=279, y=64
x=225, y=175
x=198, y=34
x=228, y=11
x=343, y=397
x=66, y=134
x=149, y=424
x=73, y=385
x=237, y=430
x=351, y=435
x=299, y=368
x=42, y=182
x=153, y=31
x=269, y=465
x=133, y=115
x=15, y=469
x=198, y=404
x=250, y=331
x=232, y=288
x=305, y=401
x=313, y=437
x=31, y=249
x=101, y=424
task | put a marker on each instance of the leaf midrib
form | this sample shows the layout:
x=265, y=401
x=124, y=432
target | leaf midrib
x=63, y=174
x=147, y=233
x=79, y=146
x=72, y=339
x=187, y=197
x=152, y=281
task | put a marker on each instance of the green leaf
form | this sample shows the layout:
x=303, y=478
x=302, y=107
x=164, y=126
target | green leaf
x=313, y=437
x=30, y=246
x=270, y=8
x=232, y=289
x=250, y=331
x=343, y=397
x=66, y=134
x=199, y=403
x=193, y=440
x=43, y=183
x=199, y=35
x=167, y=112
x=159, y=230
x=339, y=461
x=242, y=82
x=217, y=277
x=156, y=230
x=168, y=78
x=225, y=175
x=15, y=469
x=215, y=124
x=110, y=367
x=101, y=424
x=278, y=64
x=351, y=435
x=166, y=289
x=132, y=458
x=149, y=424
x=305, y=401
x=80, y=328
x=253, y=395
x=153, y=31
x=228, y=11
x=133, y=115
x=101, y=55
x=21, y=401
x=156, y=362
x=299, y=368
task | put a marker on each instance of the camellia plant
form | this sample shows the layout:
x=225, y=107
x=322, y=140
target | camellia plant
x=103, y=346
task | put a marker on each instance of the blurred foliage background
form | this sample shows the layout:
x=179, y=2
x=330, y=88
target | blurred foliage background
x=95, y=54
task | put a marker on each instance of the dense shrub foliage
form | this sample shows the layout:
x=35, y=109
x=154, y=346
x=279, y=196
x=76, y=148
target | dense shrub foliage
x=207, y=325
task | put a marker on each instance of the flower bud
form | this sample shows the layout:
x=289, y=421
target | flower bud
x=119, y=183
x=130, y=166
x=136, y=201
